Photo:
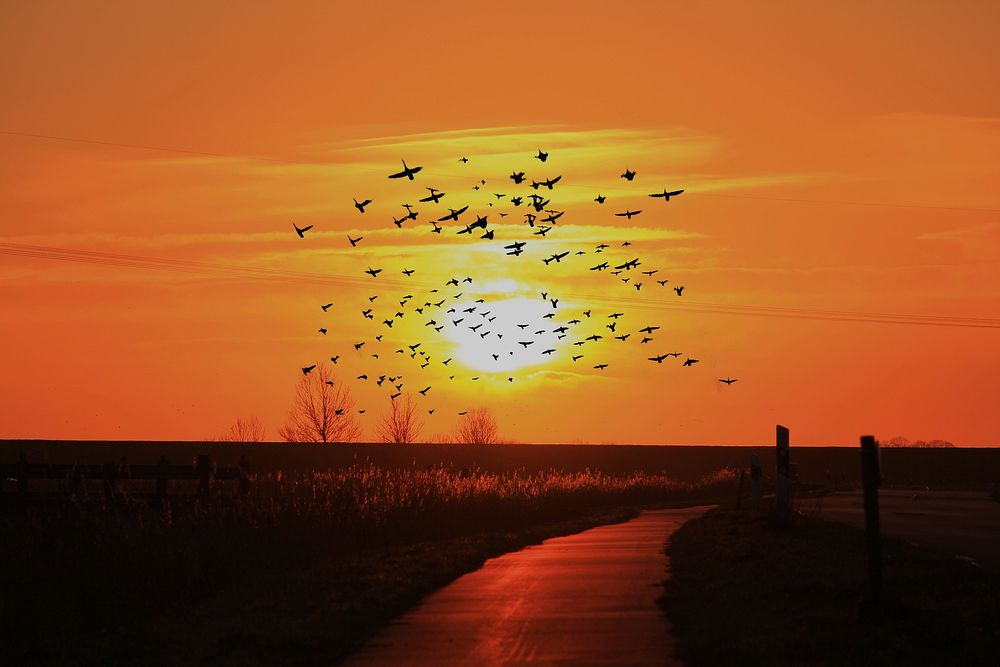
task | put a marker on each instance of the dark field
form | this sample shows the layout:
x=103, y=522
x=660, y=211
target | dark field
x=744, y=591
x=954, y=469
x=329, y=542
x=311, y=561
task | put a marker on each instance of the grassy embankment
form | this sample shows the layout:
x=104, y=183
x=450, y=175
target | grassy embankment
x=744, y=591
x=301, y=571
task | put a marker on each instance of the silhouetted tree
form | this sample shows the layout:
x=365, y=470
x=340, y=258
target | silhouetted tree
x=478, y=427
x=322, y=410
x=400, y=425
x=245, y=429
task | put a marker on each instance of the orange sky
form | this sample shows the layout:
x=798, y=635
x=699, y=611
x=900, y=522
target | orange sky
x=893, y=106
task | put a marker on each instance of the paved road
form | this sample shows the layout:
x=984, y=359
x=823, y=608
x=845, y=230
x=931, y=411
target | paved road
x=584, y=599
x=966, y=525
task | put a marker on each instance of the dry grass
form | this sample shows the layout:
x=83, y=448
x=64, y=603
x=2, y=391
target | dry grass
x=82, y=569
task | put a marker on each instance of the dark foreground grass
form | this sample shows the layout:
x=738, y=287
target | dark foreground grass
x=317, y=615
x=298, y=571
x=747, y=592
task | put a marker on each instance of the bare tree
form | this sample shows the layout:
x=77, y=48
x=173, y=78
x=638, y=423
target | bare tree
x=478, y=427
x=244, y=429
x=400, y=425
x=322, y=410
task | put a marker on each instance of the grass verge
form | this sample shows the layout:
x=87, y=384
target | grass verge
x=744, y=591
x=309, y=616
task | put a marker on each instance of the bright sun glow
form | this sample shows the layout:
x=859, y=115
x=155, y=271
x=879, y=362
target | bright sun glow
x=507, y=335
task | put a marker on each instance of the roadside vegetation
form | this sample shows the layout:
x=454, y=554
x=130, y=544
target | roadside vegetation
x=744, y=591
x=306, y=565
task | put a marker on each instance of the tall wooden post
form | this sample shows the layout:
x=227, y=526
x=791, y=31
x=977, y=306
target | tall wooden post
x=871, y=478
x=781, y=473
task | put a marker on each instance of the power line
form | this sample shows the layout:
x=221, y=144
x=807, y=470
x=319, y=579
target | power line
x=299, y=277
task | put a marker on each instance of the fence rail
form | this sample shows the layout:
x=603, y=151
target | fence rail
x=112, y=474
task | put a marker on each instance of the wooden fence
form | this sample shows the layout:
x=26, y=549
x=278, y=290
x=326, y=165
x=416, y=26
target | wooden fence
x=113, y=474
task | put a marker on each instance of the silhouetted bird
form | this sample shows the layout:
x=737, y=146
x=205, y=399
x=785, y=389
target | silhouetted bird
x=600, y=199
x=373, y=272
x=628, y=175
x=628, y=214
x=453, y=215
x=408, y=272
x=659, y=359
x=308, y=369
x=360, y=205
x=679, y=290
x=691, y=362
x=434, y=196
x=354, y=242
x=542, y=156
x=601, y=367
x=301, y=231
x=407, y=172
x=515, y=248
x=517, y=177
x=463, y=160
x=326, y=307
x=728, y=380
x=667, y=195
x=335, y=359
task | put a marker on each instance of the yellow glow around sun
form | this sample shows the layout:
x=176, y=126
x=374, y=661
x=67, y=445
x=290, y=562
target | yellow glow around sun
x=505, y=335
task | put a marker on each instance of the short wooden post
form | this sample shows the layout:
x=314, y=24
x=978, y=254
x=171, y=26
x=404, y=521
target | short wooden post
x=161, y=481
x=871, y=478
x=110, y=471
x=76, y=483
x=244, y=485
x=781, y=476
x=204, y=468
x=22, y=475
x=755, y=475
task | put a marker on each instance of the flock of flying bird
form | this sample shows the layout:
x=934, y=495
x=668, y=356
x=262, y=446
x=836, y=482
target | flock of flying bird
x=441, y=309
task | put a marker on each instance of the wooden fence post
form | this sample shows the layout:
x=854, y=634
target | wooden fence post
x=244, y=484
x=755, y=481
x=22, y=475
x=871, y=478
x=781, y=477
x=204, y=468
x=110, y=471
x=161, y=481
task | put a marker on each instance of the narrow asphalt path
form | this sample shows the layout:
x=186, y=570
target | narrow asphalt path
x=584, y=599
